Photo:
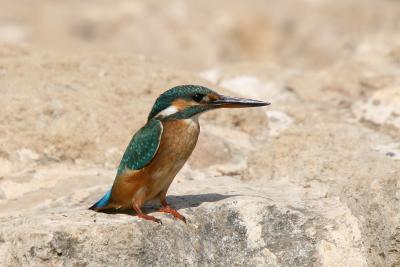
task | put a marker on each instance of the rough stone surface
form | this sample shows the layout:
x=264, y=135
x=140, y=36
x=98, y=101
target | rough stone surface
x=312, y=180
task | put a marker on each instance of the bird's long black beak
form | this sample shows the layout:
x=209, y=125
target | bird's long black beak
x=236, y=102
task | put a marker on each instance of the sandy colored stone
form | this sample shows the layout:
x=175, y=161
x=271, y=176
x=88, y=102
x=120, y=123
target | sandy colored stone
x=311, y=180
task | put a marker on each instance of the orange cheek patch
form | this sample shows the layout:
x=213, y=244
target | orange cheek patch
x=180, y=104
x=213, y=97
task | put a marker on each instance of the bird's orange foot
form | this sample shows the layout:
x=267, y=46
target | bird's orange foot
x=173, y=212
x=149, y=218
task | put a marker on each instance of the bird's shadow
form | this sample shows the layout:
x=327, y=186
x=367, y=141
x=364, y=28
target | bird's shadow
x=177, y=202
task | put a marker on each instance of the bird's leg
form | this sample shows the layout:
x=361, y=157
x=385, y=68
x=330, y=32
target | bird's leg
x=140, y=214
x=167, y=209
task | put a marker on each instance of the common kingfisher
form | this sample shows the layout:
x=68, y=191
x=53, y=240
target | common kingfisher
x=160, y=148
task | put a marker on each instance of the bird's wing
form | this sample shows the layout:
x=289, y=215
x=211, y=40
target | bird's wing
x=142, y=148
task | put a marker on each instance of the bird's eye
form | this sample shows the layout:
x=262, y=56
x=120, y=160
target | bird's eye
x=197, y=97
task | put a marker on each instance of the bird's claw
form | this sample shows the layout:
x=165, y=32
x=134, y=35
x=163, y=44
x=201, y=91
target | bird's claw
x=174, y=213
x=149, y=218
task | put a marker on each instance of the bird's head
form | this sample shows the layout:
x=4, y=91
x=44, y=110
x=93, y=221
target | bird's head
x=185, y=101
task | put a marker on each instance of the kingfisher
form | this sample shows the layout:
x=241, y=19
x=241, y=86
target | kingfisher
x=159, y=149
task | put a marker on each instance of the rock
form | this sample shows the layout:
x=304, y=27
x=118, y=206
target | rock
x=311, y=180
x=227, y=225
x=382, y=108
x=294, y=184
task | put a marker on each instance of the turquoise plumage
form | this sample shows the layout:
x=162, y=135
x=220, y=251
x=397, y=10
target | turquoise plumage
x=104, y=201
x=142, y=147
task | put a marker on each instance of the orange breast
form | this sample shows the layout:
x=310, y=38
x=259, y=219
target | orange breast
x=178, y=140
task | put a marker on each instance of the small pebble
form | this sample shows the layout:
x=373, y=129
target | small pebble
x=390, y=154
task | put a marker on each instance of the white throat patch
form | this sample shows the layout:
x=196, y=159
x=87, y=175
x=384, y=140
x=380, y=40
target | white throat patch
x=168, y=111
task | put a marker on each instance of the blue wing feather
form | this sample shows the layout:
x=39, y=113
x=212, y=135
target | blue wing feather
x=142, y=147
x=102, y=202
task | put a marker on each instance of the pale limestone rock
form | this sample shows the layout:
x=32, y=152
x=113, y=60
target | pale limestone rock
x=312, y=180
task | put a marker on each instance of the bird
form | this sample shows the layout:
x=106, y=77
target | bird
x=159, y=149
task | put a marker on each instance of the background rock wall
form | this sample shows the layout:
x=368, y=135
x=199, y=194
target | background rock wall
x=312, y=180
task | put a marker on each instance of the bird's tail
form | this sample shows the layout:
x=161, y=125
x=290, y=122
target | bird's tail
x=103, y=202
